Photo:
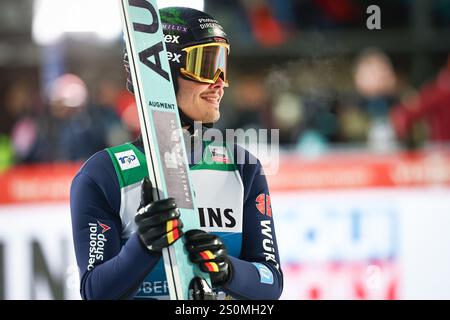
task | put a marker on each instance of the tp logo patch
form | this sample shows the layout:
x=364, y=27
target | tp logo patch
x=127, y=159
x=263, y=204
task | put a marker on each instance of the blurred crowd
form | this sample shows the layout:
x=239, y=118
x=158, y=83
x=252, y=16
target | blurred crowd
x=272, y=22
x=357, y=100
x=71, y=123
x=328, y=103
x=313, y=110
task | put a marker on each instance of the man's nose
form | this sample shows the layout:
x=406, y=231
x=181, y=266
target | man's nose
x=219, y=84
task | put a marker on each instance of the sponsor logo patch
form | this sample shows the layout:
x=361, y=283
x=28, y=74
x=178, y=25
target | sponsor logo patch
x=104, y=227
x=263, y=204
x=265, y=274
x=97, y=243
x=217, y=39
x=171, y=39
x=267, y=243
x=154, y=288
x=217, y=217
x=219, y=154
x=127, y=160
x=174, y=27
x=174, y=57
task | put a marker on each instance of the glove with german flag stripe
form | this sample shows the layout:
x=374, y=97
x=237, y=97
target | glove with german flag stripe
x=158, y=222
x=209, y=253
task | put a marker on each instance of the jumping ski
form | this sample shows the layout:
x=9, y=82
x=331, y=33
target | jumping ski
x=162, y=136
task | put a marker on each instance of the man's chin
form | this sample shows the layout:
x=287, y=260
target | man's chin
x=212, y=118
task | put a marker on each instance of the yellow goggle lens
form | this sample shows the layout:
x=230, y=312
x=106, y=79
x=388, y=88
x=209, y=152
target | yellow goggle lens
x=206, y=62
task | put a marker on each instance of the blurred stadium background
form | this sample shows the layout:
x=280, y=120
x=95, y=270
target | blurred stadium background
x=361, y=199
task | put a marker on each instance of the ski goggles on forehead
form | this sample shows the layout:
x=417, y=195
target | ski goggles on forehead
x=206, y=62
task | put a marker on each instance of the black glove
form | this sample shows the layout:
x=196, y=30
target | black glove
x=209, y=252
x=158, y=222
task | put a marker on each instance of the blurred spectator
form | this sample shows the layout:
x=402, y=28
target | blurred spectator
x=376, y=83
x=68, y=129
x=266, y=28
x=6, y=152
x=322, y=108
x=105, y=113
x=441, y=13
x=326, y=14
x=304, y=102
x=250, y=102
x=431, y=105
x=127, y=110
x=353, y=123
x=16, y=103
x=288, y=116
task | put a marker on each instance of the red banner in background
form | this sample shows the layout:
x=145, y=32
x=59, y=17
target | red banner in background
x=37, y=183
x=345, y=280
x=51, y=182
x=354, y=171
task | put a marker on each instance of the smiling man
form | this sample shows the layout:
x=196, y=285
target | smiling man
x=200, y=101
x=118, y=228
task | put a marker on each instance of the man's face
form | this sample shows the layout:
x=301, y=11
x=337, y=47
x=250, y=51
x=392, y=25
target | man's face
x=200, y=101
